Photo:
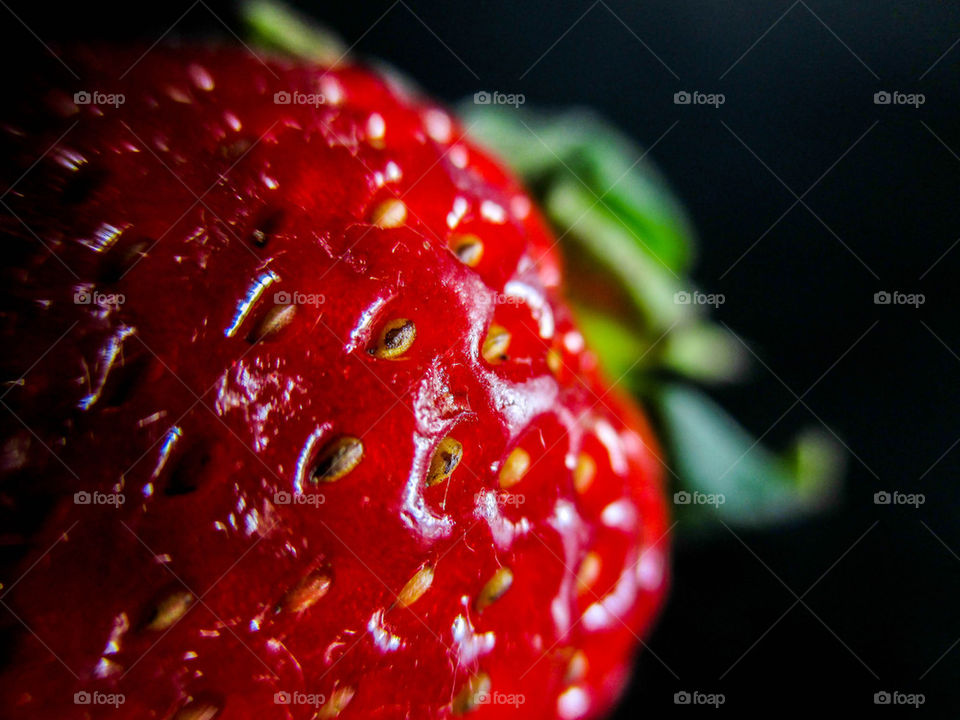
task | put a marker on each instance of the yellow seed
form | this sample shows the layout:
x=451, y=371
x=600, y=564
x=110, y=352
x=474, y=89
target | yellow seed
x=197, y=711
x=395, y=339
x=389, y=214
x=337, y=459
x=444, y=461
x=468, y=248
x=494, y=589
x=584, y=473
x=416, y=587
x=576, y=668
x=471, y=694
x=277, y=318
x=588, y=572
x=554, y=361
x=495, y=345
x=339, y=699
x=514, y=468
x=169, y=610
x=306, y=592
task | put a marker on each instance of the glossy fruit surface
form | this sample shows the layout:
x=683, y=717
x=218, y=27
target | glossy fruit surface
x=297, y=424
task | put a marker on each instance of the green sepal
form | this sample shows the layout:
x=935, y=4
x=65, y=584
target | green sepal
x=716, y=457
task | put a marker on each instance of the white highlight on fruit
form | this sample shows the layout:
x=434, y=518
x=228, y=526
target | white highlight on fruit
x=493, y=212
x=607, y=612
x=537, y=302
x=382, y=638
x=572, y=703
x=469, y=644
x=253, y=294
x=106, y=358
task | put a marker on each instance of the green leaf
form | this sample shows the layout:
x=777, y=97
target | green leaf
x=704, y=352
x=620, y=181
x=650, y=284
x=626, y=350
x=725, y=474
x=274, y=26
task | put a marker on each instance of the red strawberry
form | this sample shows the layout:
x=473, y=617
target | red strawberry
x=297, y=424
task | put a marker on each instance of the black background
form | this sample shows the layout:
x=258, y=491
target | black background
x=881, y=613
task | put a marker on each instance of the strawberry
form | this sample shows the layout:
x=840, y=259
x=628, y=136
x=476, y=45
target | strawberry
x=297, y=423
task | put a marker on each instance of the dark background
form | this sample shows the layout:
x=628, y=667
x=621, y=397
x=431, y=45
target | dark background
x=884, y=582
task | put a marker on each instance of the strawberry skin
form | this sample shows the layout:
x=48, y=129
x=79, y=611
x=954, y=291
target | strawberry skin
x=317, y=436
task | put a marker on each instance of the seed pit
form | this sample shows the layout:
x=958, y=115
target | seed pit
x=170, y=609
x=416, y=587
x=444, y=461
x=306, y=592
x=266, y=226
x=495, y=588
x=588, y=573
x=514, y=468
x=127, y=376
x=584, y=473
x=337, y=459
x=495, y=345
x=122, y=258
x=467, y=248
x=389, y=214
x=470, y=695
x=576, y=668
x=554, y=362
x=82, y=184
x=395, y=339
x=337, y=702
x=186, y=473
x=198, y=710
x=273, y=321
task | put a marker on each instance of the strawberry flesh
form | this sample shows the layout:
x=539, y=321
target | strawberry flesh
x=214, y=272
